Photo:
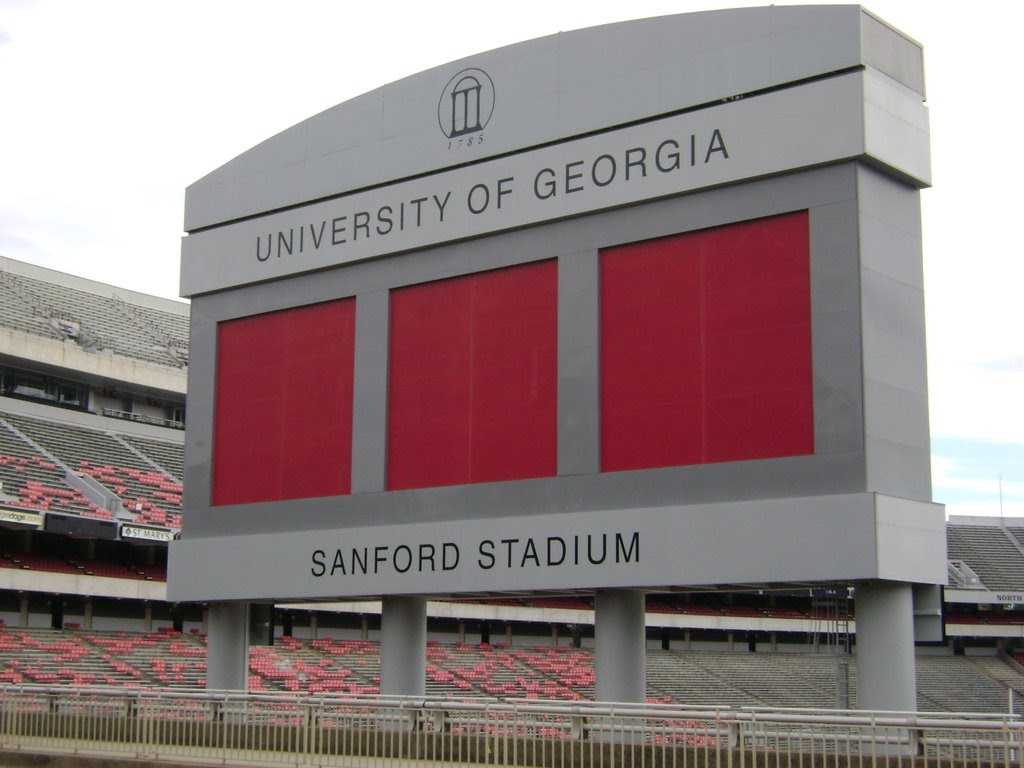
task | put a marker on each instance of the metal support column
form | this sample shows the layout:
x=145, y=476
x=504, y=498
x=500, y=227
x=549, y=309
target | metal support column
x=886, y=671
x=403, y=646
x=227, y=652
x=620, y=640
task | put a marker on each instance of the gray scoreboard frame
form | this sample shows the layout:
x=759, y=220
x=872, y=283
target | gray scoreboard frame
x=816, y=108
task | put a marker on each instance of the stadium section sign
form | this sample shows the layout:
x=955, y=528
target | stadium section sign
x=145, y=534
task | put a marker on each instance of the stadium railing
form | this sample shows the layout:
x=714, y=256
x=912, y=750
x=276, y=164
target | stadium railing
x=234, y=728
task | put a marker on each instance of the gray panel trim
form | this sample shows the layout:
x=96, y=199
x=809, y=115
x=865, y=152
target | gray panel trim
x=892, y=52
x=781, y=541
x=548, y=90
x=894, y=348
x=674, y=215
x=891, y=215
x=929, y=626
x=202, y=379
x=897, y=416
x=897, y=129
x=901, y=466
x=579, y=426
x=611, y=490
x=838, y=466
x=370, y=393
x=835, y=309
x=801, y=127
x=895, y=370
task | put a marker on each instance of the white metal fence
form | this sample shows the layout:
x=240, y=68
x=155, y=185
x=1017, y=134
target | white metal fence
x=267, y=729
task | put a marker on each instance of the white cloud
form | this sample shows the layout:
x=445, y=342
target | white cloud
x=972, y=401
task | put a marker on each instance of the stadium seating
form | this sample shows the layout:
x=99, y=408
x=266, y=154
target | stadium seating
x=295, y=667
x=990, y=553
x=19, y=308
x=705, y=678
x=696, y=609
x=34, y=482
x=97, y=320
x=785, y=613
x=656, y=605
x=168, y=456
x=147, y=492
x=564, y=603
x=32, y=561
x=742, y=610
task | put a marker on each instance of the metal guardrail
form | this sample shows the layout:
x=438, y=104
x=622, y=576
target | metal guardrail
x=235, y=728
x=142, y=418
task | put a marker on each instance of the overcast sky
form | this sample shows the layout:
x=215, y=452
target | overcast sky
x=108, y=110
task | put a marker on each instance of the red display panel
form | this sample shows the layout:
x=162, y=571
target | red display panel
x=283, y=421
x=706, y=346
x=472, y=393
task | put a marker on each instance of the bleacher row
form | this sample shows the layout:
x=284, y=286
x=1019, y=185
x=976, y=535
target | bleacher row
x=98, y=320
x=131, y=467
x=669, y=606
x=331, y=665
x=94, y=658
x=994, y=553
x=1000, y=618
x=48, y=563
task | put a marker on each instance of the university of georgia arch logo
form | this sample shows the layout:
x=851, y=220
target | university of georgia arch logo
x=465, y=107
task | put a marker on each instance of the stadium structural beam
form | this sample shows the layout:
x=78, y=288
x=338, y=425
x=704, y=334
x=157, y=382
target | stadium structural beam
x=620, y=641
x=886, y=671
x=403, y=646
x=227, y=652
